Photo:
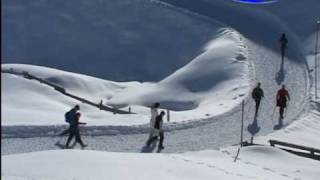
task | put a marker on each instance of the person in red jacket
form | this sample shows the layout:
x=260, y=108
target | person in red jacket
x=282, y=98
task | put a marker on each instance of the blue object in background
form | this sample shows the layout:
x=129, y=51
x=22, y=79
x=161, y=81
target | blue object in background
x=255, y=1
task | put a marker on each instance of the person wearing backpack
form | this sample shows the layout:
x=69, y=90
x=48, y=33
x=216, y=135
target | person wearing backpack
x=257, y=95
x=70, y=117
x=74, y=131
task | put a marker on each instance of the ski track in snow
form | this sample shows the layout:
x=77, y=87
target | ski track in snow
x=190, y=136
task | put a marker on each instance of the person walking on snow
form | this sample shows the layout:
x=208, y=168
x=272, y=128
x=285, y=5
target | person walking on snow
x=282, y=97
x=157, y=131
x=70, y=117
x=154, y=114
x=74, y=131
x=284, y=44
x=257, y=94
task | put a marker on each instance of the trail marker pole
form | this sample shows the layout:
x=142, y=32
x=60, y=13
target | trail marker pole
x=315, y=60
x=241, y=136
x=242, y=115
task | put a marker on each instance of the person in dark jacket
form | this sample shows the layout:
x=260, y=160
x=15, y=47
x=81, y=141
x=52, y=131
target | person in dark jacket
x=158, y=132
x=284, y=44
x=257, y=94
x=282, y=97
x=71, y=115
x=74, y=131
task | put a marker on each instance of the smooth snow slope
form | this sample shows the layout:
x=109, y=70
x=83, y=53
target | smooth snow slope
x=126, y=40
x=255, y=163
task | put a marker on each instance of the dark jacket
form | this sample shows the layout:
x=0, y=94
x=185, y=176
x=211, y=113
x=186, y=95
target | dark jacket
x=284, y=41
x=158, y=123
x=257, y=93
x=74, y=126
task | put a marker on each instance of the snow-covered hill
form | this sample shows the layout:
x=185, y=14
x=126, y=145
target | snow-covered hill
x=210, y=85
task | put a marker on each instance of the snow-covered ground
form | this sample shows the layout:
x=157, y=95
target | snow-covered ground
x=239, y=47
x=255, y=163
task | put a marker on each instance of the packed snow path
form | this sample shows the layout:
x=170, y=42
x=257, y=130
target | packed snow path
x=213, y=133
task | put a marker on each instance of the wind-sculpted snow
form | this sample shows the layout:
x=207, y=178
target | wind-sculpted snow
x=203, y=88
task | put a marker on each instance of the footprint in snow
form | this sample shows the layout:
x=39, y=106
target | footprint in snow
x=241, y=57
x=200, y=163
x=284, y=175
x=267, y=169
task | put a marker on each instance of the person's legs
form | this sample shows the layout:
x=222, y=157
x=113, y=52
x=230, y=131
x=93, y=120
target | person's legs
x=161, y=140
x=69, y=139
x=151, y=140
x=257, y=106
x=282, y=53
x=151, y=133
x=281, y=111
x=78, y=139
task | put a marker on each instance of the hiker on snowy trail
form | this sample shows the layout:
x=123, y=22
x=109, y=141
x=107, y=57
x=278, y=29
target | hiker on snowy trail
x=283, y=41
x=74, y=131
x=154, y=114
x=257, y=94
x=70, y=117
x=282, y=97
x=157, y=131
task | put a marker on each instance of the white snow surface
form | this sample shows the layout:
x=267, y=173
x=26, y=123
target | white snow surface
x=255, y=163
x=226, y=50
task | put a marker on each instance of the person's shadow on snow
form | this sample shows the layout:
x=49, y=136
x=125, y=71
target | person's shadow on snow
x=280, y=76
x=149, y=149
x=62, y=146
x=279, y=125
x=254, y=128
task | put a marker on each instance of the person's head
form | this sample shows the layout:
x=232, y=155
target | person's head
x=156, y=105
x=162, y=113
x=283, y=34
x=258, y=84
x=77, y=107
x=283, y=86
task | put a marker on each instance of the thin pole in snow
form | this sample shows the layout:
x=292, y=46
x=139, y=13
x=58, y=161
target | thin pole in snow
x=241, y=136
x=315, y=60
x=242, y=115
